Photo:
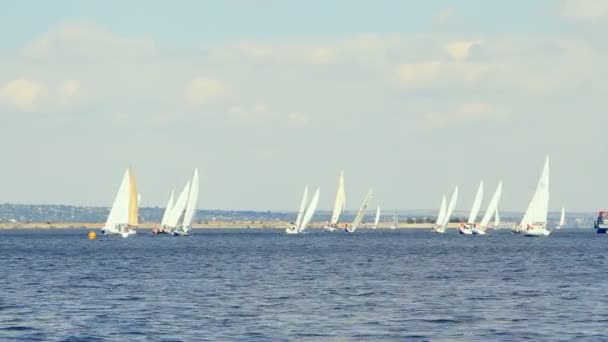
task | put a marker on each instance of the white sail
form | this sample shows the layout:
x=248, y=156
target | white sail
x=192, y=201
x=302, y=207
x=178, y=208
x=163, y=221
x=562, y=218
x=377, y=219
x=497, y=218
x=441, y=214
x=119, y=214
x=310, y=211
x=451, y=208
x=395, y=219
x=360, y=213
x=476, y=204
x=539, y=205
x=492, y=207
x=340, y=202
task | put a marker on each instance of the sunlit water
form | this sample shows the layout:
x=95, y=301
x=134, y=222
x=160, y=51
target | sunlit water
x=264, y=285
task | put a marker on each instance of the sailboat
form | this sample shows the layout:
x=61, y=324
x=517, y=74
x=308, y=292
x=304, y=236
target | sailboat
x=440, y=215
x=562, y=219
x=123, y=218
x=467, y=228
x=353, y=227
x=448, y=213
x=305, y=213
x=395, y=220
x=177, y=210
x=377, y=219
x=339, y=205
x=491, y=210
x=186, y=226
x=163, y=221
x=534, y=222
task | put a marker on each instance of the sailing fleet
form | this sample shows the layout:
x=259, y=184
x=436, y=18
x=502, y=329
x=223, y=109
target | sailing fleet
x=179, y=213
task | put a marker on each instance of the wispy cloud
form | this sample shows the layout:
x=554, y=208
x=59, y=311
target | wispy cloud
x=585, y=10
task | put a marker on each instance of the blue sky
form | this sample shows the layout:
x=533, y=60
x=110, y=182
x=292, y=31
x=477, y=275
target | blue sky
x=409, y=97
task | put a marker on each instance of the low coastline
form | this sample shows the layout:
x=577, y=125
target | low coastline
x=206, y=225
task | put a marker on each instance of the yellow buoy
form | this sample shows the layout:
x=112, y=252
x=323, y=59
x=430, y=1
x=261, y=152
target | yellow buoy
x=92, y=236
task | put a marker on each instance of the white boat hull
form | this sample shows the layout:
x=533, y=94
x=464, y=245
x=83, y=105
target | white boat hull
x=478, y=231
x=465, y=230
x=291, y=230
x=330, y=228
x=535, y=232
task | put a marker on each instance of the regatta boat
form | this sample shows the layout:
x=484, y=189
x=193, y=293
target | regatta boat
x=562, y=219
x=339, y=205
x=491, y=210
x=353, y=227
x=163, y=221
x=293, y=229
x=305, y=213
x=440, y=215
x=497, y=219
x=123, y=217
x=377, y=219
x=446, y=218
x=534, y=222
x=186, y=226
x=467, y=228
x=395, y=220
x=177, y=211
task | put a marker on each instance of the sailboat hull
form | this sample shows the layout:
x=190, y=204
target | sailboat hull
x=535, y=232
x=465, y=230
x=478, y=231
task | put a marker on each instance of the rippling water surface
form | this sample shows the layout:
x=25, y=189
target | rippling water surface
x=264, y=285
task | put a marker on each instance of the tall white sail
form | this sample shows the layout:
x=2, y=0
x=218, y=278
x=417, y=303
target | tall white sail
x=192, y=201
x=178, y=208
x=360, y=213
x=492, y=207
x=497, y=218
x=377, y=219
x=395, y=219
x=476, y=204
x=451, y=208
x=168, y=208
x=310, y=211
x=340, y=202
x=119, y=214
x=441, y=214
x=539, y=205
x=302, y=207
x=562, y=218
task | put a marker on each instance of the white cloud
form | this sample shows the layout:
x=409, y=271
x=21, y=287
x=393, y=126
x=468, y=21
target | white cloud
x=436, y=74
x=585, y=9
x=444, y=16
x=87, y=40
x=465, y=112
x=21, y=93
x=68, y=94
x=203, y=90
x=262, y=113
x=459, y=49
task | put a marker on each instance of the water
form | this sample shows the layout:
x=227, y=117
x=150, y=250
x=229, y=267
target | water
x=264, y=285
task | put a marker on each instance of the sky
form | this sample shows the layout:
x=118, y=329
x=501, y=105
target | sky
x=265, y=96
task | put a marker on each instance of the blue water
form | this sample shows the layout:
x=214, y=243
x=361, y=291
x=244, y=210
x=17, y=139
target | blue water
x=264, y=285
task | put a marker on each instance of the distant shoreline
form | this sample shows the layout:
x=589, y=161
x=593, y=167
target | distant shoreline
x=209, y=225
